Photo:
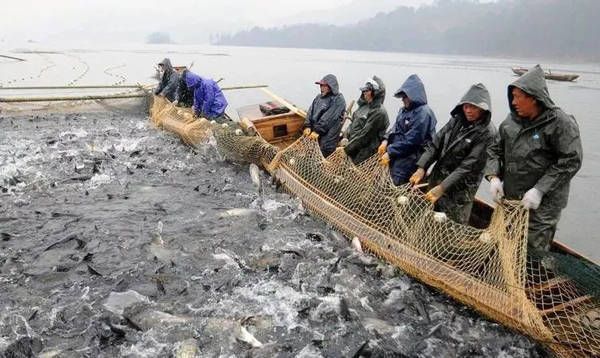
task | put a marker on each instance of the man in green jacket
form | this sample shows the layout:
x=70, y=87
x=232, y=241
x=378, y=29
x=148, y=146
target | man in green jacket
x=535, y=155
x=369, y=122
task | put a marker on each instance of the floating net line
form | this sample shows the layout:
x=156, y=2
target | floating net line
x=487, y=269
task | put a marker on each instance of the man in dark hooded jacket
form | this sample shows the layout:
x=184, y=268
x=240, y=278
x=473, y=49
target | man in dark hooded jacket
x=184, y=96
x=535, y=155
x=459, y=153
x=169, y=79
x=369, y=122
x=414, y=128
x=325, y=115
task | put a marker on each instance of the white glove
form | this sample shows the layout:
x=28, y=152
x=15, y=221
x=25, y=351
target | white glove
x=496, y=189
x=532, y=199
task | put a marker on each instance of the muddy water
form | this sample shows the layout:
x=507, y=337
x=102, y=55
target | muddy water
x=117, y=240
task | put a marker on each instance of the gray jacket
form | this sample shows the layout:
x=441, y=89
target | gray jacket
x=325, y=116
x=169, y=81
x=544, y=153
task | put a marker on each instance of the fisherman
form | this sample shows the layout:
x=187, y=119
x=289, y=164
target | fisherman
x=459, y=153
x=369, y=122
x=185, y=96
x=209, y=101
x=535, y=155
x=414, y=128
x=169, y=79
x=325, y=115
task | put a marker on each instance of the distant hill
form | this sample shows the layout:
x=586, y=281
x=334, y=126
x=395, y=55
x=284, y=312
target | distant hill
x=159, y=38
x=528, y=28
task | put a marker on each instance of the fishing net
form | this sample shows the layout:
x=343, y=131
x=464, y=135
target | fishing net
x=488, y=269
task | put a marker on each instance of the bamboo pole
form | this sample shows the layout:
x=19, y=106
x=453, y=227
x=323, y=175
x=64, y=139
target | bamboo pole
x=70, y=98
x=12, y=58
x=71, y=87
x=94, y=97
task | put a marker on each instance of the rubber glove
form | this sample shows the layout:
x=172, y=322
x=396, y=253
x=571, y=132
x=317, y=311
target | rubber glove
x=417, y=176
x=496, y=189
x=385, y=159
x=434, y=194
x=532, y=199
x=382, y=148
x=307, y=131
x=314, y=135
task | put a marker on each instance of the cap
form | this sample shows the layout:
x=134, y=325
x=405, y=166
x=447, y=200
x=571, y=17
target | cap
x=370, y=84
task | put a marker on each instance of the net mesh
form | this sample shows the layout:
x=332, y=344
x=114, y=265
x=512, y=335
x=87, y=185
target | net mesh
x=487, y=269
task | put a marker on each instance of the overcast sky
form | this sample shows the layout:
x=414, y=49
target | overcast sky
x=186, y=20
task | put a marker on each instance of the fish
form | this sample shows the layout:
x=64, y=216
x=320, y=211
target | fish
x=242, y=335
x=356, y=245
x=255, y=174
x=237, y=212
x=187, y=349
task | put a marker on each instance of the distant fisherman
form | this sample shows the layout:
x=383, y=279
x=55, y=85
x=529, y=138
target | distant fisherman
x=414, y=128
x=209, y=101
x=325, y=115
x=169, y=79
x=459, y=151
x=535, y=155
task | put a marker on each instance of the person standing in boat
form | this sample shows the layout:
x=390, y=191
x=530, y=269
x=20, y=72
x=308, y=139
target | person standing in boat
x=209, y=101
x=414, y=128
x=535, y=155
x=369, y=122
x=325, y=115
x=459, y=151
x=169, y=79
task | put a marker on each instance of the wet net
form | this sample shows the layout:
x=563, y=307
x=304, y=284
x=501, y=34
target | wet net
x=487, y=269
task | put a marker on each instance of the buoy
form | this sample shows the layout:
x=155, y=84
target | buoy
x=440, y=217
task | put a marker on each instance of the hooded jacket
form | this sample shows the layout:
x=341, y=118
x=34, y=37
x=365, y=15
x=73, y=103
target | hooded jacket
x=325, y=115
x=168, y=82
x=209, y=100
x=414, y=128
x=544, y=153
x=459, y=151
x=369, y=123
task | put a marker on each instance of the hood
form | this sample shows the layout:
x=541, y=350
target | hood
x=414, y=89
x=192, y=80
x=166, y=64
x=331, y=81
x=533, y=83
x=478, y=96
x=379, y=94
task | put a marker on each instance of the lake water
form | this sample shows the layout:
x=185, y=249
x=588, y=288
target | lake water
x=292, y=72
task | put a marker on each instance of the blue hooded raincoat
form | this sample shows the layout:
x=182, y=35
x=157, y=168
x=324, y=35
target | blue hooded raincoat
x=414, y=128
x=209, y=100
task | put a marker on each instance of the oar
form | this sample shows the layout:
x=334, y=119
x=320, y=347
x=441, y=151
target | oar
x=291, y=107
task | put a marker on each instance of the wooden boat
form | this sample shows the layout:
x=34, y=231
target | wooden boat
x=564, y=307
x=519, y=71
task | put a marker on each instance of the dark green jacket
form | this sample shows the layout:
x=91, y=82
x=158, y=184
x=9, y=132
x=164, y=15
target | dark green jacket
x=544, y=153
x=369, y=124
x=459, y=151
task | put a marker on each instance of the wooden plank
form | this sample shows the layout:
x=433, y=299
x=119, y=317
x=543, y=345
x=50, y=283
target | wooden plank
x=548, y=284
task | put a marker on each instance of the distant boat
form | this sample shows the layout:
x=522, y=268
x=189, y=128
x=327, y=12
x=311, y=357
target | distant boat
x=549, y=74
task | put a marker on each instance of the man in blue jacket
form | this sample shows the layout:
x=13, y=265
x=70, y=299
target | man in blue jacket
x=209, y=101
x=414, y=128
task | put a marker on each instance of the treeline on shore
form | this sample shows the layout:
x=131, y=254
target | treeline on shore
x=528, y=28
